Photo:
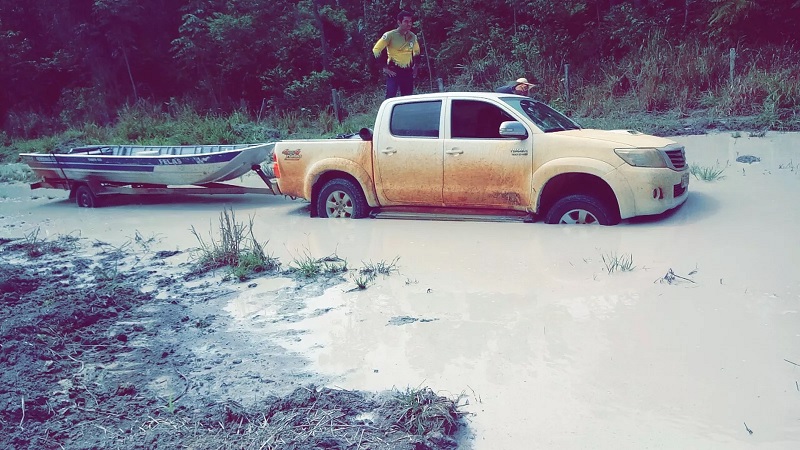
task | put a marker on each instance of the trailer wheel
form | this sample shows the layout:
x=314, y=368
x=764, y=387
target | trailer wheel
x=84, y=197
x=342, y=198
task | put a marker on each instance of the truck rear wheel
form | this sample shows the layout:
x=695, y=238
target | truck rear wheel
x=580, y=209
x=342, y=198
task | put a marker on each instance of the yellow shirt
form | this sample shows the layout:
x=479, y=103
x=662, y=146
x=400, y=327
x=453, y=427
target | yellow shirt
x=399, y=49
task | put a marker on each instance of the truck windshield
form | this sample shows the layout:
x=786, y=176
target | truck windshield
x=543, y=116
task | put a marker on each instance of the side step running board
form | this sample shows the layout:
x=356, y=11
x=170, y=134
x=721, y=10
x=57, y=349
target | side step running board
x=528, y=218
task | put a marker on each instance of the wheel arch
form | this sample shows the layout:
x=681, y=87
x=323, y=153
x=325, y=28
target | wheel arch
x=572, y=183
x=340, y=168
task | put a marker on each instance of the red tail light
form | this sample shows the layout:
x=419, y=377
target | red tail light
x=275, y=169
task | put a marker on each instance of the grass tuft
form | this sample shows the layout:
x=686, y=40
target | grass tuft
x=310, y=267
x=362, y=279
x=237, y=248
x=369, y=271
x=381, y=267
x=421, y=411
x=35, y=246
x=707, y=173
x=618, y=263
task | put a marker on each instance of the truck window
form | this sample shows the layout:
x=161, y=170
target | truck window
x=476, y=119
x=418, y=119
x=545, y=117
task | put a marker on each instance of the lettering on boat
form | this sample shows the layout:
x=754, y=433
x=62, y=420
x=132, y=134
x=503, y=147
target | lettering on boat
x=170, y=162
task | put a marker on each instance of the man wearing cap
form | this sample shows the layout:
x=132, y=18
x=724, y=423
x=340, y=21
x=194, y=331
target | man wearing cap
x=401, y=47
x=520, y=87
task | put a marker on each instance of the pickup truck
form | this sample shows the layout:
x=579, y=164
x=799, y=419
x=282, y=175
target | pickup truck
x=485, y=153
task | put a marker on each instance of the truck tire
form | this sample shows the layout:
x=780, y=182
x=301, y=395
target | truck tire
x=342, y=198
x=580, y=209
x=84, y=197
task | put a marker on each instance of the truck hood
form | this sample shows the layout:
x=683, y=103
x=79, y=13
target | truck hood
x=620, y=138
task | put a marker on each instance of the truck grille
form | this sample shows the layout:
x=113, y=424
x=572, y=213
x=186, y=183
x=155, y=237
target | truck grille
x=677, y=157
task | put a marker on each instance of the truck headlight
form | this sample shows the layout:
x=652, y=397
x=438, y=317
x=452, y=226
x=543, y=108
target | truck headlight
x=641, y=157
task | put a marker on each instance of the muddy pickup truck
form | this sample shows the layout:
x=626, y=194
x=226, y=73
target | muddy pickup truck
x=484, y=153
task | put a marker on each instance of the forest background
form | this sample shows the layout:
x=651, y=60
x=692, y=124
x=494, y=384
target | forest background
x=212, y=71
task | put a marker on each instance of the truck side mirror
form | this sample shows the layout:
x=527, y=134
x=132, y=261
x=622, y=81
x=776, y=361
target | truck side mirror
x=513, y=129
x=365, y=134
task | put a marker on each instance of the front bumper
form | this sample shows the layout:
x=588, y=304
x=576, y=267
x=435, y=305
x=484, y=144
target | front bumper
x=652, y=190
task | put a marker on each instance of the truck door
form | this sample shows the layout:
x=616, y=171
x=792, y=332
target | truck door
x=408, y=154
x=481, y=168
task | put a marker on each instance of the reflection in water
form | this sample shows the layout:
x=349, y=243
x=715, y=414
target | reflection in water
x=495, y=334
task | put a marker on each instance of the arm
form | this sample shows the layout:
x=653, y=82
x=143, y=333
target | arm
x=380, y=45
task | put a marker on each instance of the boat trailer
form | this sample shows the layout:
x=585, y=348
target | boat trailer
x=87, y=193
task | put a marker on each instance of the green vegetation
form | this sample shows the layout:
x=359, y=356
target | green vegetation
x=420, y=411
x=310, y=267
x=369, y=271
x=16, y=173
x=142, y=124
x=149, y=72
x=35, y=246
x=707, y=173
x=306, y=265
x=380, y=267
x=362, y=279
x=236, y=249
x=618, y=263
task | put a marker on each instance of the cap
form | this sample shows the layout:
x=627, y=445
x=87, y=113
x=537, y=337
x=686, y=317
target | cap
x=524, y=81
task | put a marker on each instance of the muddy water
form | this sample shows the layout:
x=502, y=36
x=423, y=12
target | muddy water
x=549, y=350
x=524, y=321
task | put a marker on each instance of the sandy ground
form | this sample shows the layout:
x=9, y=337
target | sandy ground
x=546, y=348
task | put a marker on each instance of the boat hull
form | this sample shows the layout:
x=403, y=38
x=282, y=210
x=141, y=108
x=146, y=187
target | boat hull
x=149, y=165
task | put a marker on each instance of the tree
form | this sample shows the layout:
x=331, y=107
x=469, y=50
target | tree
x=757, y=21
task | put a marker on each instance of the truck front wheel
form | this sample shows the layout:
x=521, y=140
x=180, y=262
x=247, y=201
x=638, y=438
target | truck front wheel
x=580, y=209
x=342, y=198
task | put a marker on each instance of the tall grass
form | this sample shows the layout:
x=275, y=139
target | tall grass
x=236, y=249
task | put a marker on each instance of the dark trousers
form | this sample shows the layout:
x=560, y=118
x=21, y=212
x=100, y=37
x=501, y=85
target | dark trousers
x=403, y=81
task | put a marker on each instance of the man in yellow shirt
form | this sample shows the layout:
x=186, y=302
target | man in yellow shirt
x=401, y=47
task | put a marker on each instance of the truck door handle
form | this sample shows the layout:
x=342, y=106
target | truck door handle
x=454, y=151
x=388, y=151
